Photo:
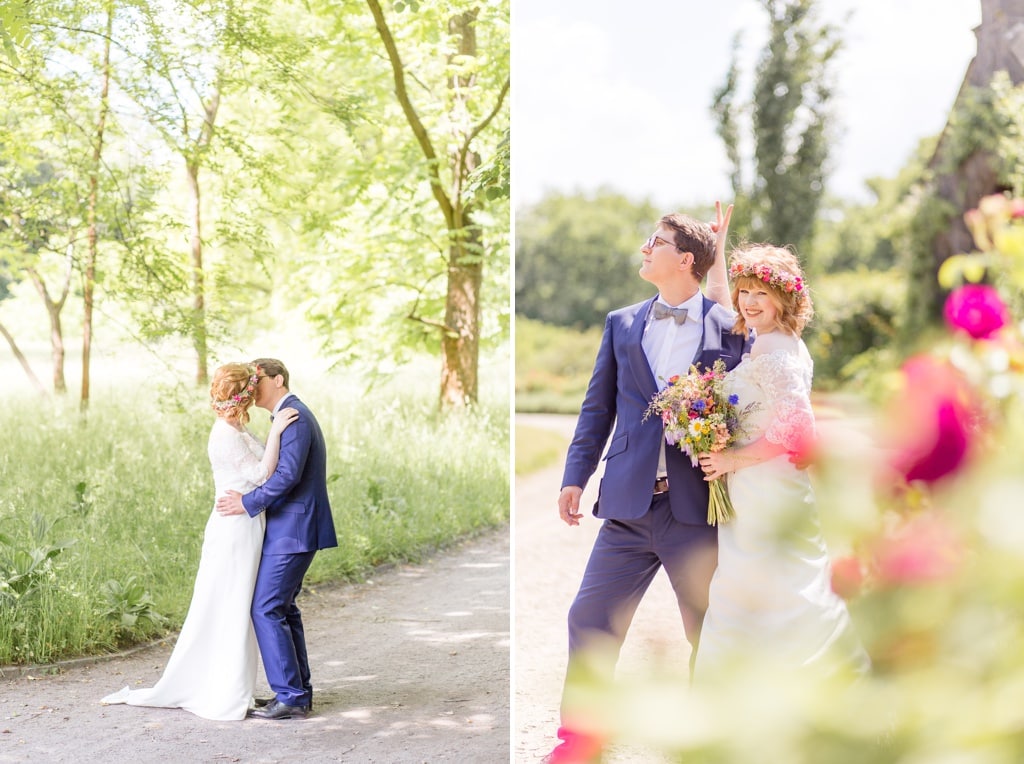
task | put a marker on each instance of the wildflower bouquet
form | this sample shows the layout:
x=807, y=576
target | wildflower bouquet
x=700, y=418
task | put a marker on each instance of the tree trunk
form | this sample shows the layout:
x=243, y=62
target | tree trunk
x=461, y=341
x=199, y=339
x=53, y=310
x=89, y=279
x=193, y=164
x=22, y=360
x=1000, y=48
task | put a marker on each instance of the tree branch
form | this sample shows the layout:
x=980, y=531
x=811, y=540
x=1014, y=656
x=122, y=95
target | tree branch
x=419, y=131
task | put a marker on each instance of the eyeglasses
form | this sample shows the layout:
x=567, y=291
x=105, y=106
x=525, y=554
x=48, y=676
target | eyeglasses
x=657, y=241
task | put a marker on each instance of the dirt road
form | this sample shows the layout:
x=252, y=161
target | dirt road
x=549, y=561
x=411, y=666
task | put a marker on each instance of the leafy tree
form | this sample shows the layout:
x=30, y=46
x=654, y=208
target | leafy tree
x=852, y=237
x=790, y=123
x=419, y=95
x=59, y=189
x=577, y=257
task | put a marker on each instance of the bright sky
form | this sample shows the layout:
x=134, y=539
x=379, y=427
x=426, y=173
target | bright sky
x=619, y=93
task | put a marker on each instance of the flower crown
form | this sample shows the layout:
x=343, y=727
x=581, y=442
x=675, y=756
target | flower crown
x=781, y=280
x=239, y=398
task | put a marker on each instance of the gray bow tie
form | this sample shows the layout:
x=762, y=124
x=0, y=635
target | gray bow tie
x=664, y=311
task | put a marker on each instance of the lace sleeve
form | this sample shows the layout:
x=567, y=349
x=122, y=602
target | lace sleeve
x=786, y=381
x=239, y=454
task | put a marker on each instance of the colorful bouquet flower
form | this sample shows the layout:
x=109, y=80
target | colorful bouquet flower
x=700, y=418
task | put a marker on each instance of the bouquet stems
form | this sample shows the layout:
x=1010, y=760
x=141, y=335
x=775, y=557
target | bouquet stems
x=719, y=505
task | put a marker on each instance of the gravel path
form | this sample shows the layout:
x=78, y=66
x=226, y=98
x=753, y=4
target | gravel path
x=549, y=561
x=410, y=666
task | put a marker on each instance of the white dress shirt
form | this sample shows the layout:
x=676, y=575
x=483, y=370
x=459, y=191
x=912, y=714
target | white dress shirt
x=670, y=347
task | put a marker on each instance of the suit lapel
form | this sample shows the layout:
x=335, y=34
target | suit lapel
x=710, y=337
x=635, y=351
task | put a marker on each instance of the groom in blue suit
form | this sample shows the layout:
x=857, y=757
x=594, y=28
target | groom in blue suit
x=653, y=502
x=299, y=522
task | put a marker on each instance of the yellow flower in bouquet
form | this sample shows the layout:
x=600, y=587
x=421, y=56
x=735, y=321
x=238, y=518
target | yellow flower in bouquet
x=700, y=418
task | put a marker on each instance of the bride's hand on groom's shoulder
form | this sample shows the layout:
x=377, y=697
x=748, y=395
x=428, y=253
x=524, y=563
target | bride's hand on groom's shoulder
x=283, y=418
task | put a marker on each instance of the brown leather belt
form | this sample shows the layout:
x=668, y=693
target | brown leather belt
x=661, y=485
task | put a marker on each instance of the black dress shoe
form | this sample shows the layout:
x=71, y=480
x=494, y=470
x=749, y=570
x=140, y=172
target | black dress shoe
x=278, y=710
x=261, y=702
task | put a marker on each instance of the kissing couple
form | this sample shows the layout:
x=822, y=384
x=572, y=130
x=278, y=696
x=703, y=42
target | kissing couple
x=272, y=514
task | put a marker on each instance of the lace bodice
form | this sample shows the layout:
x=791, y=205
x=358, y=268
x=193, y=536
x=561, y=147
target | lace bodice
x=776, y=386
x=235, y=458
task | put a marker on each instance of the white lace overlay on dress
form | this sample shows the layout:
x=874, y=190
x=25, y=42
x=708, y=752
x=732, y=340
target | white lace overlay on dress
x=232, y=459
x=785, y=378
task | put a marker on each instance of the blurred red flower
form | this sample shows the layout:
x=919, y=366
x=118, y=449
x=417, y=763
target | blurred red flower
x=976, y=309
x=932, y=420
x=847, y=576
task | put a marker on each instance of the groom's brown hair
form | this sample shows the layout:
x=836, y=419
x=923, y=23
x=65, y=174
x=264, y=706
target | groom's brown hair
x=272, y=367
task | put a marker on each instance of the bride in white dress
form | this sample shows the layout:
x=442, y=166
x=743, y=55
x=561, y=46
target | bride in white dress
x=212, y=670
x=771, y=600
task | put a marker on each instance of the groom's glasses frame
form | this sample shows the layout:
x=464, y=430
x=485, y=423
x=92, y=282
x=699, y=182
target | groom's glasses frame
x=652, y=242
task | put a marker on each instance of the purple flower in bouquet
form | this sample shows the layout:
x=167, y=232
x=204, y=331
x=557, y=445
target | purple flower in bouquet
x=976, y=309
x=699, y=418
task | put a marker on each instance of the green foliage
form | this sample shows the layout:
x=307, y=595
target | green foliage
x=127, y=603
x=132, y=485
x=856, y=319
x=924, y=296
x=407, y=197
x=28, y=567
x=493, y=179
x=988, y=119
x=577, y=257
x=873, y=236
x=313, y=190
x=553, y=365
x=537, y=448
x=791, y=124
x=13, y=27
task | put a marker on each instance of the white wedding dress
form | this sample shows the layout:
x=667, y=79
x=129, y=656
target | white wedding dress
x=771, y=602
x=212, y=670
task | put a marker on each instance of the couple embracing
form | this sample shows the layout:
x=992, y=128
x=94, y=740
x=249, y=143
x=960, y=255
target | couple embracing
x=271, y=516
x=757, y=588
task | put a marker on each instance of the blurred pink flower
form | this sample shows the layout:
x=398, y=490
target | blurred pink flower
x=932, y=419
x=923, y=549
x=976, y=309
x=847, y=576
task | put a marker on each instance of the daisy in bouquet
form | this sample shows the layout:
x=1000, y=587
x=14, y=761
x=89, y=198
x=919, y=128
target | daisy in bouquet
x=700, y=418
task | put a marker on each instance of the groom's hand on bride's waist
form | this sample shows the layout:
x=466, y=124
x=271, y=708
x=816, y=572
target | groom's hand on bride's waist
x=230, y=504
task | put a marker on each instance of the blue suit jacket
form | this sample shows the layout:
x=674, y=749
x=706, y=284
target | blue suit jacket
x=295, y=497
x=620, y=390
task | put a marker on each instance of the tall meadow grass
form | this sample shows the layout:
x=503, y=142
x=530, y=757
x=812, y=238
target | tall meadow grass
x=123, y=495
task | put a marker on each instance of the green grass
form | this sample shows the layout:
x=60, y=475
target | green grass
x=537, y=448
x=130, y=487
